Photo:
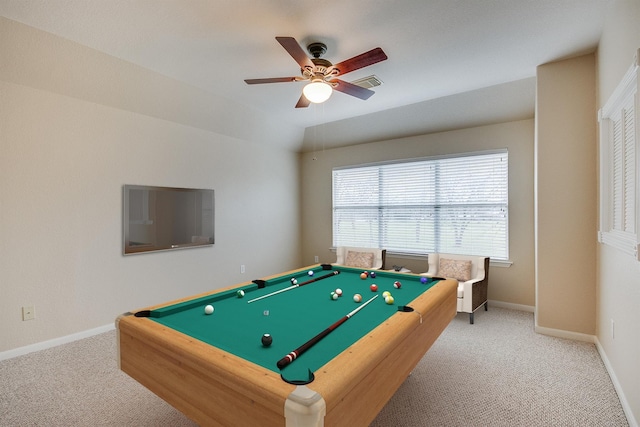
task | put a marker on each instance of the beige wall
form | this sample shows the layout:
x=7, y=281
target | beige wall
x=515, y=284
x=70, y=141
x=566, y=206
x=618, y=275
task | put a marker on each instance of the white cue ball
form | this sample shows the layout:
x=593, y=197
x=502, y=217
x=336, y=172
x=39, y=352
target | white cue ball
x=208, y=309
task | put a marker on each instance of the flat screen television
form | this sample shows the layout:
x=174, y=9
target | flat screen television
x=165, y=218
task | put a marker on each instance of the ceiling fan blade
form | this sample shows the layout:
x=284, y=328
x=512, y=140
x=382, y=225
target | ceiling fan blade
x=351, y=89
x=270, y=80
x=303, y=102
x=360, y=61
x=293, y=47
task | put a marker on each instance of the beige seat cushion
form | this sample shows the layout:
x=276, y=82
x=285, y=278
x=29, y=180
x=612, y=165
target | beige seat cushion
x=455, y=269
x=359, y=259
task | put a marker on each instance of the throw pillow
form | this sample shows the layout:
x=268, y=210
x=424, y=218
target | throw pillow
x=455, y=269
x=359, y=259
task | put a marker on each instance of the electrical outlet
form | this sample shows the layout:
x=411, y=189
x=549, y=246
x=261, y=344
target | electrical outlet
x=242, y=269
x=28, y=313
x=315, y=258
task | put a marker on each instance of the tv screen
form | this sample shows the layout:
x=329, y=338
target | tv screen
x=164, y=218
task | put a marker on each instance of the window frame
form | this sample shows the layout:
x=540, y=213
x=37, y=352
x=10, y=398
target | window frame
x=619, y=164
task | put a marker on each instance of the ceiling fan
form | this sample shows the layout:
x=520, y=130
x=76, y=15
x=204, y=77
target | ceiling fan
x=322, y=74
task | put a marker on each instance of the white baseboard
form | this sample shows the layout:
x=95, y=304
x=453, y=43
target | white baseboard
x=559, y=333
x=616, y=384
x=20, y=351
x=511, y=306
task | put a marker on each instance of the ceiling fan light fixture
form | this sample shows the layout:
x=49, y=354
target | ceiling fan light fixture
x=317, y=92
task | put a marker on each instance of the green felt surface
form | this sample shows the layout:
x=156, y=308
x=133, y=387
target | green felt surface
x=294, y=316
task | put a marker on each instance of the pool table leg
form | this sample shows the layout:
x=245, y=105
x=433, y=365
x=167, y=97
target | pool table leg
x=304, y=408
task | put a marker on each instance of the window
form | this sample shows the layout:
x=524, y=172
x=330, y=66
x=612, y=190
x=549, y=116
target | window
x=619, y=166
x=446, y=204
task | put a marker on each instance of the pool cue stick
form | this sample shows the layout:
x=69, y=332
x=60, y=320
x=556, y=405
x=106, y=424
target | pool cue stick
x=294, y=286
x=313, y=341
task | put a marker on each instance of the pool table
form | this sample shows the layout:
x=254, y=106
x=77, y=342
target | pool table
x=215, y=369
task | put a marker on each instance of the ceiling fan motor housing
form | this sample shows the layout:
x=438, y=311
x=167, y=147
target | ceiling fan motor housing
x=319, y=71
x=321, y=66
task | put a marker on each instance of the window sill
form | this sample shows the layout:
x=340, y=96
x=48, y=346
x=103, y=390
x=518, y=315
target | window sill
x=625, y=242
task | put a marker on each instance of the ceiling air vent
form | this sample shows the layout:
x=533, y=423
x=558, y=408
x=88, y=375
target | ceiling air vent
x=368, y=82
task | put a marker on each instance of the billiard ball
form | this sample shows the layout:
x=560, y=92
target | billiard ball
x=372, y=274
x=240, y=293
x=363, y=276
x=334, y=296
x=357, y=298
x=310, y=272
x=294, y=281
x=386, y=294
x=208, y=309
x=389, y=300
x=423, y=280
x=339, y=292
x=374, y=287
x=397, y=284
x=266, y=340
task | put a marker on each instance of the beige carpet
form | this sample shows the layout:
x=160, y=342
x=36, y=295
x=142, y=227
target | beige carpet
x=497, y=372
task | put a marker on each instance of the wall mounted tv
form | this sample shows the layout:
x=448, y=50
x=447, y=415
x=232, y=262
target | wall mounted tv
x=164, y=218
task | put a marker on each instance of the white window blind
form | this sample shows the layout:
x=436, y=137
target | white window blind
x=451, y=205
x=623, y=169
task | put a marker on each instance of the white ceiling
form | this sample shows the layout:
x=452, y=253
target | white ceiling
x=436, y=48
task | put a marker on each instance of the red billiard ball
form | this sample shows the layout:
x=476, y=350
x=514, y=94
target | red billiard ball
x=374, y=288
x=397, y=284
